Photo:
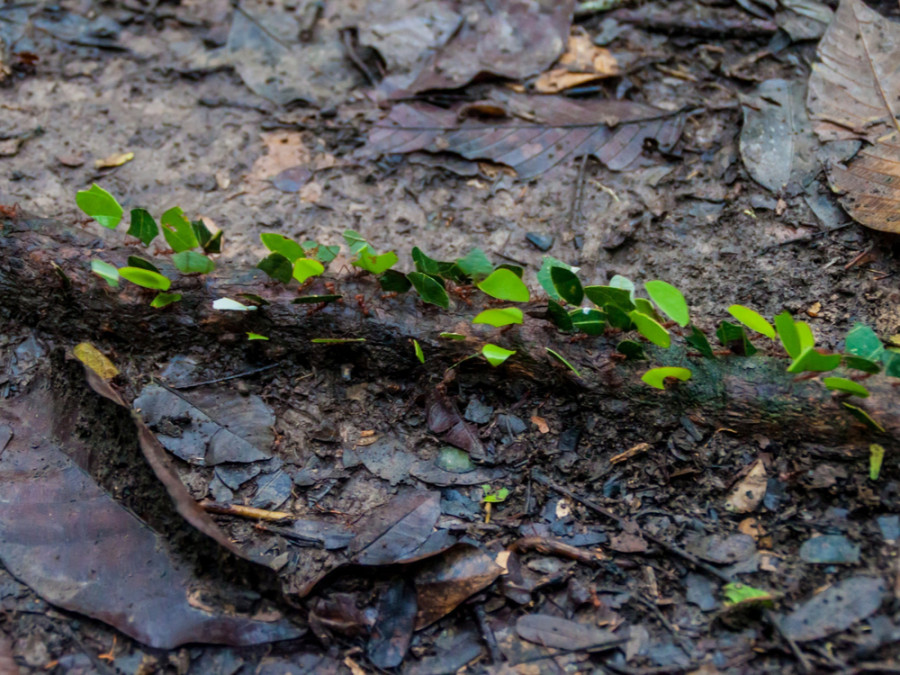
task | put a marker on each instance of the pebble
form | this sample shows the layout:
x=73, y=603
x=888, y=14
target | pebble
x=542, y=242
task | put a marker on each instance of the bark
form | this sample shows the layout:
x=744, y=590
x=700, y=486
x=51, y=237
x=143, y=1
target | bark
x=46, y=282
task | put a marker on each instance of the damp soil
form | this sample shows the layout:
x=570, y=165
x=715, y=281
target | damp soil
x=202, y=141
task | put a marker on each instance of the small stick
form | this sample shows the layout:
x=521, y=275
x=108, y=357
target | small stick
x=554, y=547
x=245, y=373
x=805, y=665
x=244, y=511
x=489, y=638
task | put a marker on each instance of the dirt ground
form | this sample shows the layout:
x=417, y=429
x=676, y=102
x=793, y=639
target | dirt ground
x=692, y=216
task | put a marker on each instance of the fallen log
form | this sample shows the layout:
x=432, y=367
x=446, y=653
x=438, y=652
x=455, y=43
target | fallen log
x=46, y=282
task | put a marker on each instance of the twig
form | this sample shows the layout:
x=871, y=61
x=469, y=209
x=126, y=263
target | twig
x=621, y=522
x=577, y=195
x=244, y=511
x=236, y=376
x=347, y=39
x=489, y=638
x=554, y=547
x=805, y=665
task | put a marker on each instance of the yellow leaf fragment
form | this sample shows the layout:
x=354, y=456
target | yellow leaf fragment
x=94, y=359
x=117, y=159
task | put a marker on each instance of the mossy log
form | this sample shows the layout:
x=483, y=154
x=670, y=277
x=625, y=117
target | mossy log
x=46, y=282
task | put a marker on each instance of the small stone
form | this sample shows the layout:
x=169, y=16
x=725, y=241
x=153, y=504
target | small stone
x=478, y=412
x=890, y=527
x=830, y=549
x=542, y=242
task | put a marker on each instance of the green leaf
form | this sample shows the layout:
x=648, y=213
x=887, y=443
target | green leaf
x=862, y=341
x=163, y=299
x=229, y=305
x=753, y=320
x=697, y=339
x=429, y=289
x=191, y=262
x=544, y=275
x=811, y=360
x=143, y=226
x=355, y=241
x=178, y=231
x=859, y=363
x=559, y=316
x=324, y=254
x=559, y=357
x=336, y=341
x=567, y=285
x=518, y=270
x=632, y=350
x=143, y=263
x=454, y=460
x=100, y=205
x=505, y=285
x=278, y=267
x=106, y=271
x=256, y=336
x=376, y=264
x=609, y=296
x=735, y=338
x=618, y=281
x=494, y=497
x=787, y=333
x=496, y=355
x=656, y=377
x=305, y=268
x=145, y=278
x=393, y=281
x=891, y=361
x=418, y=349
x=589, y=321
x=805, y=335
x=315, y=299
x=424, y=264
x=214, y=245
x=452, y=336
x=201, y=231
x=737, y=593
x=646, y=307
x=876, y=457
x=845, y=385
x=618, y=317
x=499, y=317
x=651, y=330
x=278, y=243
x=863, y=417
x=670, y=300
x=475, y=265
x=254, y=298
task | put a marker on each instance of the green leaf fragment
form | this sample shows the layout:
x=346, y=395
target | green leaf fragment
x=177, y=230
x=496, y=355
x=697, y=339
x=201, y=231
x=646, y=308
x=862, y=341
x=618, y=317
x=656, y=377
x=846, y=386
x=256, y=336
x=418, y=349
x=164, y=299
x=429, y=290
x=475, y=265
x=805, y=335
x=145, y=278
x=605, y=296
x=863, y=416
x=650, y=329
x=505, y=285
x=214, y=245
x=859, y=363
x=559, y=357
x=670, y=300
x=567, y=285
x=278, y=243
x=559, y=316
x=735, y=338
x=500, y=317
x=191, y=262
x=143, y=226
x=589, y=321
x=738, y=593
x=454, y=460
x=812, y=361
x=376, y=264
x=355, y=241
x=787, y=333
x=278, y=267
x=632, y=350
x=393, y=281
x=518, y=270
x=324, y=254
x=143, y=263
x=876, y=457
x=100, y=205
x=753, y=320
x=306, y=268
x=544, y=275
x=452, y=336
x=106, y=271
x=618, y=281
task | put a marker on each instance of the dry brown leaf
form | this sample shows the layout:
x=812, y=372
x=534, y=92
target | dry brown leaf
x=749, y=492
x=583, y=62
x=284, y=150
x=540, y=423
x=854, y=92
x=115, y=160
x=96, y=360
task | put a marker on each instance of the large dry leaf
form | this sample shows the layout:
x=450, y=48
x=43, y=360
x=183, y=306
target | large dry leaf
x=854, y=92
x=540, y=132
x=395, y=531
x=75, y=546
x=553, y=631
x=835, y=609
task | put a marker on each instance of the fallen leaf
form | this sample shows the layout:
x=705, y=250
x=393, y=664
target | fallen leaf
x=552, y=631
x=394, y=532
x=115, y=160
x=96, y=360
x=749, y=492
x=835, y=609
x=392, y=631
x=71, y=161
x=582, y=62
x=540, y=423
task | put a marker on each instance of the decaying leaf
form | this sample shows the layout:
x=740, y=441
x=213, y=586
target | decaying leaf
x=96, y=360
x=540, y=132
x=394, y=532
x=854, y=92
x=749, y=492
x=835, y=609
x=552, y=631
x=583, y=62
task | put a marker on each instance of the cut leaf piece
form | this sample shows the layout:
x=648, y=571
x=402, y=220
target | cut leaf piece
x=452, y=336
x=805, y=334
x=96, y=360
x=355, y=241
x=697, y=339
x=559, y=316
x=278, y=267
x=376, y=264
x=738, y=593
x=500, y=317
x=656, y=377
x=429, y=289
x=393, y=281
x=559, y=357
x=632, y=350
x=876, y=457
x=863, y=417
x=505, y=285
x=618, y=317
x=859, y=363
x=496, y=355
x=753, y=320
x=670, y=300
x=178, y=231
x=787, y=333
x=590, y=321
x=651, y=330
x=306, y=268
x=567, y=285
x=256, y=336
x=143, y=226
x=145, y=278
x=646, y=308
x=735, y=338
x=191, y=262
x=811, y=360
x=143, y=263
x=475, y=265
x=100, y=205
x=324, y=254
x=229, y=305
x=846, y=386
x=278, y=243
x=418, y=349
x=106, y=271
x=862, y=341
x=163, y=299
